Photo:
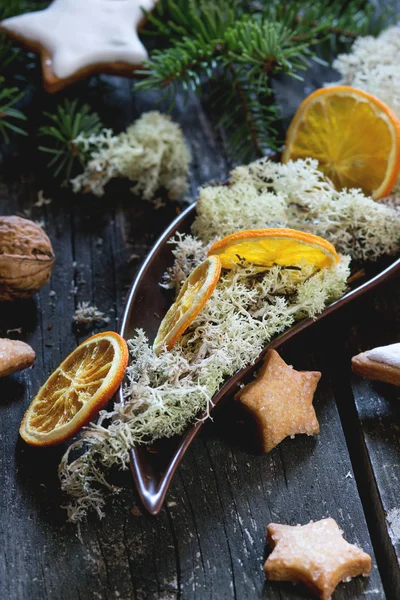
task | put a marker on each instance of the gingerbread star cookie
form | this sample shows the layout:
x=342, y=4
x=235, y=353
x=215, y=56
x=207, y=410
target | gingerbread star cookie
x=381, y=364
x=280, y=400
x=78, y=38
x=315, y=554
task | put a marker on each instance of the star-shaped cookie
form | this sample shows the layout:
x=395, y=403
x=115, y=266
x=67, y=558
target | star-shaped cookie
x=280, y=400
x=78, y=38
x=381, y=364
x=315, y=554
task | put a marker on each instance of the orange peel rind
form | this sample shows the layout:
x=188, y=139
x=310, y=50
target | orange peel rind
x=194, y=293
x=277, y=246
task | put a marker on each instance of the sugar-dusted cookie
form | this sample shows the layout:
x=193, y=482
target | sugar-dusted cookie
x=315, y=554
x=280, y=400
x=14, y=356
x=78, y=38
x=381, y=364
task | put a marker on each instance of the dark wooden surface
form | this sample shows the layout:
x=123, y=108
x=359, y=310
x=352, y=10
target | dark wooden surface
x=209, y=540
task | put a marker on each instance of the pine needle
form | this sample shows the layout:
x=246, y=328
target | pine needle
x=9, y=97
x=241, y=47
x=68, y=122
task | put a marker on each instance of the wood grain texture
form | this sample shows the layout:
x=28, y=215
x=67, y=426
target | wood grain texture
x=372, y=417
x=209, y=541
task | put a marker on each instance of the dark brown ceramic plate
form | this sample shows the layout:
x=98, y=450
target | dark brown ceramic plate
x=153, y=468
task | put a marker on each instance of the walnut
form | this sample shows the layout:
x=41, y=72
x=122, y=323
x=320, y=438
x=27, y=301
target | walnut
x=26, y=258
x=14, y=356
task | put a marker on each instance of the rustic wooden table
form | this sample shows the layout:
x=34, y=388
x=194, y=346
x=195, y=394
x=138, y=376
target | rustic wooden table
x=209, y=540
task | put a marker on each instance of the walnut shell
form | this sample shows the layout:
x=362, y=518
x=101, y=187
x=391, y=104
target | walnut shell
x=26, y=258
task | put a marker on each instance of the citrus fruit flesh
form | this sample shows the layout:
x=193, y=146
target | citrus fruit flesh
x=267, y=247
x=76, y=391
x=194, y=293
x=354, y=136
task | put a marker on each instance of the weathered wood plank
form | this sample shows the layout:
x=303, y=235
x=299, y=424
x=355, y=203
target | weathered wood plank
x=297, y=482
x=371, y=419
x=209, y=541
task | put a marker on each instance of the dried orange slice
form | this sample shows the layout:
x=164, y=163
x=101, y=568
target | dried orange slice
x=267, y=247
x=76, y=391
x=354, y=136
x=195, y=292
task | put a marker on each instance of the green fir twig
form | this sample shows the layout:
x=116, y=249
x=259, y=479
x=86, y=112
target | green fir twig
x=10, y=95
x=64, y=126
x=8, y=113
x=9, y=51
x=241, y=46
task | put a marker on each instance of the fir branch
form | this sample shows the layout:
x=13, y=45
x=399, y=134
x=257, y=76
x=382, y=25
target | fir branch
x=290, y=29
x=359, y=18
x=176, y=19
x=249, y=118
x=250, y=123
x=348, y=19
x=10, y=8
x=8, y=113
x=248, y=52
x=184, y=62
x=10, y=95
x=9, y=51
x=252, y=42
x=65, y=125
x=196, y=30
x=262, y=48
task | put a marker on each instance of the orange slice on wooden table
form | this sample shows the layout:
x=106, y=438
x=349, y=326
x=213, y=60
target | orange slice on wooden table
x=76, y=391
x=195, y=292
x=268, y=247
x=354, y=136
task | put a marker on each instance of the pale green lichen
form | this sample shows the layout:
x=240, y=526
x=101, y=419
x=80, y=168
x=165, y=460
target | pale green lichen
x=87, y=314
x=373, y=66
x=166, y=392
x=297, y=195
x=223, y=209
x=247, y=309
x=152, y=152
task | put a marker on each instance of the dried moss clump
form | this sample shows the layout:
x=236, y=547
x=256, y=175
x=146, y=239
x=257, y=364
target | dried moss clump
x=247, y=309
x=87, y=314
x=164, y=393
x=222, y=209
x=297, y=195
x=373, y=66
x=152, y=152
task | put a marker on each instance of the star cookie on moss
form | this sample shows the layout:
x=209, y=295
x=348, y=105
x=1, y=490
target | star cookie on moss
x=78, y=38
x=315, y=554
x=280, y=400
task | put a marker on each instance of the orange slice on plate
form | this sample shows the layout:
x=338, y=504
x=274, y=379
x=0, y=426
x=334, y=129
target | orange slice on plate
x=268, y=247
x=354, y=136
x=76, y=391
x=195, y=292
